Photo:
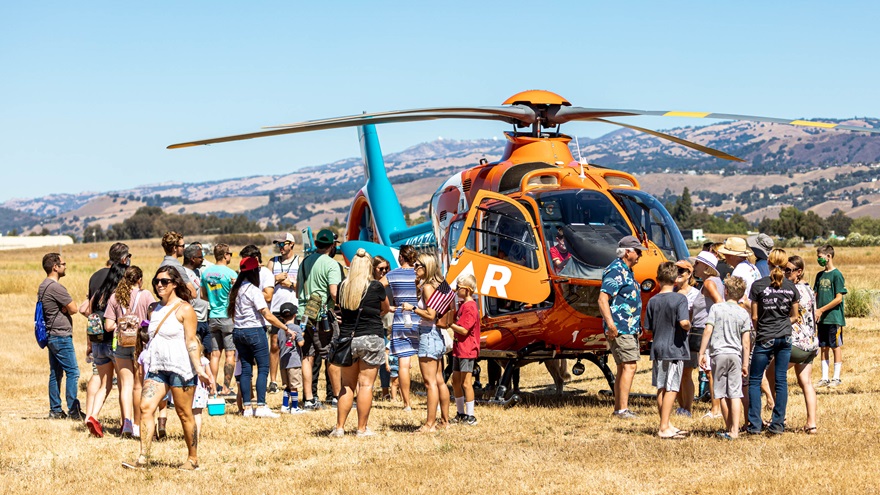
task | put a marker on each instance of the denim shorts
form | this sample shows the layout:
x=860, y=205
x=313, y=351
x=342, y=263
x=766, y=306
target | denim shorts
x=431, y=344
x=170, y=378
x=102, y=353
x=124, y=353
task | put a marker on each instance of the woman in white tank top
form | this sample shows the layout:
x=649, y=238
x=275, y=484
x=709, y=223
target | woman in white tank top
x=173, y=362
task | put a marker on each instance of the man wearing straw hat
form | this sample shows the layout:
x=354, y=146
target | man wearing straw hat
x=736, y=253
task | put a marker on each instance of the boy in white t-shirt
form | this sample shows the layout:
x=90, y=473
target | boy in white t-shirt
x=726, y=337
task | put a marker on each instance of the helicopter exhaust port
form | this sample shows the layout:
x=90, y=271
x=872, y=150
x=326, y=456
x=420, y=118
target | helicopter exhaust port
x=578, y=368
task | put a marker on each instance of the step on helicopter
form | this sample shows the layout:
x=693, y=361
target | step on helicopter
x=499, y=220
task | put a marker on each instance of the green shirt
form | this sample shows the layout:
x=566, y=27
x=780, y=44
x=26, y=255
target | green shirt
x=325, y=272
x=828, y=285
x=217, y=281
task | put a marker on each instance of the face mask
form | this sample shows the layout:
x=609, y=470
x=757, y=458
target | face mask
x=822, y=261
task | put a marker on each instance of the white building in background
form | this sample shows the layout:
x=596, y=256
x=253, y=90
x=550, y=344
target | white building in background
x=30, y=242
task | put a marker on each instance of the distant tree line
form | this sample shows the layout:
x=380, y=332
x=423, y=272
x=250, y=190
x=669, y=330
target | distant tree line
x=792, y=222
x=151, y=221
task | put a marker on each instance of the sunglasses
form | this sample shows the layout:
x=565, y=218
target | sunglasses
x=682, y=271
x=384, y=269
x=788, y=270
x=161, y=281
x=418, y=265
x=181, y=245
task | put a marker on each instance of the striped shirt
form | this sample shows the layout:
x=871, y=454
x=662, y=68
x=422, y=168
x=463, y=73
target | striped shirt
x=404, y=341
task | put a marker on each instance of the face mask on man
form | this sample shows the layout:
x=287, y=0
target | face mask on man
x=822, y=261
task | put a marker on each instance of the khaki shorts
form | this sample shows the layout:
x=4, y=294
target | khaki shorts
x=292, y=378
x=625, y=349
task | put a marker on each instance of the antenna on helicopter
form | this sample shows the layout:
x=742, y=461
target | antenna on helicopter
x=583, y=175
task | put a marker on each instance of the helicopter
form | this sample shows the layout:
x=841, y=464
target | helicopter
x=499, y=220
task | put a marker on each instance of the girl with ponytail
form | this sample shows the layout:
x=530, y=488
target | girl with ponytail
x=774, y=309
x=128, y=299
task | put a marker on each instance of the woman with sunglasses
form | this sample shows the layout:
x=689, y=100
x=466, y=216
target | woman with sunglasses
x=380, y=268
x=248, y=309
x=684, y=285
x=805, y=342
x=129, y=298
x=431, y=345
x=171, y=361
x=404, y=328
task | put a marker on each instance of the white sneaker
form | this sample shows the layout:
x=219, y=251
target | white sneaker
x=296, y=410
x=248, y=412
x=366, y=433
x=337, y=433
x=284, y=410
x=264, y=412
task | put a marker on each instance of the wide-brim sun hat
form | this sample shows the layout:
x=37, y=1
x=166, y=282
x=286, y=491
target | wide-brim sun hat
x=735, y=246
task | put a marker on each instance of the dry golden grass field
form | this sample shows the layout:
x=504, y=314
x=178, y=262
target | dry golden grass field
x=547, y=444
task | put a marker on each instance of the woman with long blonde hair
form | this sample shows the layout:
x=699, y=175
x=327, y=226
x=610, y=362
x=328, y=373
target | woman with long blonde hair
x=774, y=310
x=129, y=299
x=431, y=345
x=362, y=301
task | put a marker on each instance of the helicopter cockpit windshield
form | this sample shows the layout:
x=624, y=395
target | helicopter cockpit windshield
x=590, y=225
x=652, y=219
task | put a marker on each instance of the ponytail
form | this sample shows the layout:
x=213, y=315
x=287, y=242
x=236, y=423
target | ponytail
x=129, y=280
x=777, y=260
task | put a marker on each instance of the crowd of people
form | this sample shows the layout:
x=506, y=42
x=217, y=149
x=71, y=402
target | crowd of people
x=165, y=346
x=744, y=331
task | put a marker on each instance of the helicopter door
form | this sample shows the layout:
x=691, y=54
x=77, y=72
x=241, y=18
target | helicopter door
x=498, y=245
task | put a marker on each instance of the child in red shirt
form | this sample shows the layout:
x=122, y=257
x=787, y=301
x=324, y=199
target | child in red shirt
x=465, y=350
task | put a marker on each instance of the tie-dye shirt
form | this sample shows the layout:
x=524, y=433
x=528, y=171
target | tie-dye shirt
x=625, y=299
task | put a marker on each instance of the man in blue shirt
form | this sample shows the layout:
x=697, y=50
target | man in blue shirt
x=620, y=303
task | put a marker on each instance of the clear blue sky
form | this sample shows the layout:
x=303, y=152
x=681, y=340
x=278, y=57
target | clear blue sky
x=92, y=92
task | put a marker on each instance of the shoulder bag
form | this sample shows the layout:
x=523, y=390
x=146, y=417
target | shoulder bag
x=340, y=347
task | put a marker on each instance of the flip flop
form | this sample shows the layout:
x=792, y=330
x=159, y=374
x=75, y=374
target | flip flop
x=683, y=432
x=679, y=435
x=724, y=436
x=811, y=430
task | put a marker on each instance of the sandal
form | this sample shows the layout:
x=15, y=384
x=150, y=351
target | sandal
x=141, y=464
x=811, y=430
x=188, y=466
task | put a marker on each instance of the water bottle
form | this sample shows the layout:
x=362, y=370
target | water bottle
x=704, y=385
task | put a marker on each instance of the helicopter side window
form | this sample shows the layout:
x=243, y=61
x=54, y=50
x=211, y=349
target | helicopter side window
x=455, y=229
x=505, y=234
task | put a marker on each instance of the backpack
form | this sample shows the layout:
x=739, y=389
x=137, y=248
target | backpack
x=40, y=332
x=128, y=326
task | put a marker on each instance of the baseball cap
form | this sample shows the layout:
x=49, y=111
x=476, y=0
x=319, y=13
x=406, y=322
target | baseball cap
x=249, y=263
x=287, y=309
x=325, y=237
x=686, y=264
x=630, y=242
x=288, y=237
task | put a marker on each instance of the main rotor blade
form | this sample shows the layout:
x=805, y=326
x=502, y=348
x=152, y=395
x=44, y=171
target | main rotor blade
x=523, y=114
x=567, y=114
x=339, y=123
x=689, y=144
